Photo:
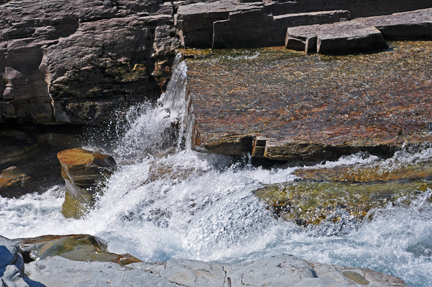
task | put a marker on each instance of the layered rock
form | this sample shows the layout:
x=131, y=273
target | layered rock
x=68, y=63
x=286, y=106
x=361, y=35
x=226, y=24
x=83, y=171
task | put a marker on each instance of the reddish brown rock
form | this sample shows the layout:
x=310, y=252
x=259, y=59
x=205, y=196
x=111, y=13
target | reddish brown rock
x=310, y=107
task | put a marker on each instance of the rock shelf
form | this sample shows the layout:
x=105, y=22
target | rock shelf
x=279, y=270
x=287, y=106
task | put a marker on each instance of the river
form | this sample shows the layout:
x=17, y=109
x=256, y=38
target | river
x=185, y=204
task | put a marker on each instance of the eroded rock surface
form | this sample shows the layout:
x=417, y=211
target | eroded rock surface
x=281, y=105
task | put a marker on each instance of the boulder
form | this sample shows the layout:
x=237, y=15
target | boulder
x=77, y=247
x=83, y=171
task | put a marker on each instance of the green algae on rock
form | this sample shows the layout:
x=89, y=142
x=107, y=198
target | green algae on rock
x=77, y=247
x=311, y=202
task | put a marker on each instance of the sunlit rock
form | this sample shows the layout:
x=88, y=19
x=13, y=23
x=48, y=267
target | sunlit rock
x=313, y=202
x=280, y=270
x=291, y=106
x=76, y=247
x=83, y=171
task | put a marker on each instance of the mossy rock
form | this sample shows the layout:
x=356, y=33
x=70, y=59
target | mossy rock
x=78, y=247
x=311, y=202
x=370, y=173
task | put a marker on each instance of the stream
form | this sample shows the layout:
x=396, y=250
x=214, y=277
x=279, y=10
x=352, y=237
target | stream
x=167, y=201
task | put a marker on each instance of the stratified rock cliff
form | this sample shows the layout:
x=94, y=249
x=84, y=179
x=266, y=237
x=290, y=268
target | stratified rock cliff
x=77, y=61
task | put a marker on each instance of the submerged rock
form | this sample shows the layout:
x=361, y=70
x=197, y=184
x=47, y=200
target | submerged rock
x=83, y=171
x=79, y=247
x=312, y=202
x=289, y=106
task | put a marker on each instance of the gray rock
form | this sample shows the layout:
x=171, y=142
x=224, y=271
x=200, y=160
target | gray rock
x=349, y=39
x=58, y=271
x=11, y=265
x=10, y=254
x=361, y=35
x=195, y=21
x=62, y=62
x=302, y=38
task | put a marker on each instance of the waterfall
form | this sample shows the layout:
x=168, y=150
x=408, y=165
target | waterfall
x=167, y=201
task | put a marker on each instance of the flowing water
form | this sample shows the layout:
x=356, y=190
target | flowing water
x=183, y=204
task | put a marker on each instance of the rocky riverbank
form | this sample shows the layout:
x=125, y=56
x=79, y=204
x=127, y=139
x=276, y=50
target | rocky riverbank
x=82, y=260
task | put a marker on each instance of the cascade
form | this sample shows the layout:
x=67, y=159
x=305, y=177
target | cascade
x=167, y=203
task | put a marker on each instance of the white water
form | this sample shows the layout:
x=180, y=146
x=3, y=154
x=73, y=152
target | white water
x=206, y=211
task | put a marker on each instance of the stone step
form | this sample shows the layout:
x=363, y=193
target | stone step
x=253, y=28
x=361, y=35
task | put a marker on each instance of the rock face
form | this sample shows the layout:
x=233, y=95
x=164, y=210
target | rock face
x=28, y=158
x=82, y=171
x=226, y=24
x=68, y=63
x=280, y=105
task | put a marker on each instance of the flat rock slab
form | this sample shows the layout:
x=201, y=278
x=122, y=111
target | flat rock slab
x=362, y=34
x=295, y=107
x=281, y=270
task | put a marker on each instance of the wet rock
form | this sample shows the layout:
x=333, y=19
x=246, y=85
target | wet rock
x=368, y=173
x=58, y=271
x=83, y=171
x=28, y=157
x=315, y=107
x=11, y=178
x=73, y=247
x=314, y=202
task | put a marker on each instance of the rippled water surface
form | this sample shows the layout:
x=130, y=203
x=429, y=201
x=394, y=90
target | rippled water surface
x=184, y=204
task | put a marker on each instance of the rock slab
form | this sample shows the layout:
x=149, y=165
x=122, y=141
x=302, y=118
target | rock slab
x=281, y=270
